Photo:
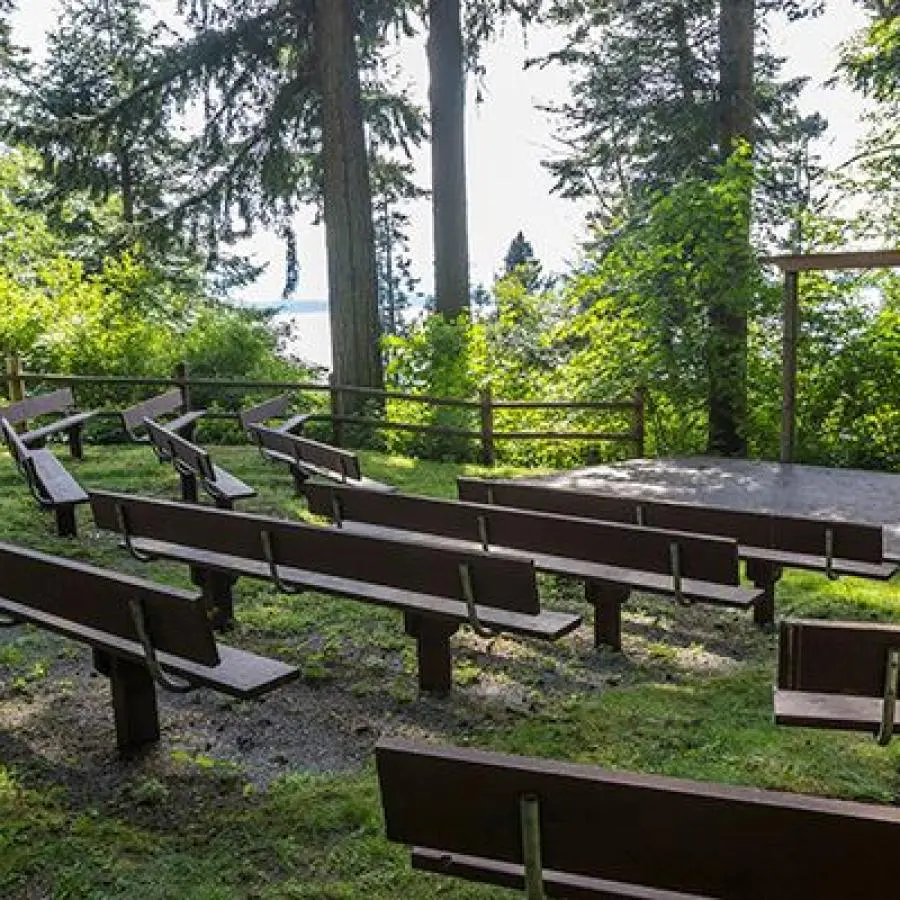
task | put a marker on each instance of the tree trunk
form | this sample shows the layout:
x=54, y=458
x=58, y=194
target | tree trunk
x=728, y=311
x=448, y=157
x=349, y=233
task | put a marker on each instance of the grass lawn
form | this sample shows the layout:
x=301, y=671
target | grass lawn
x=689, y=696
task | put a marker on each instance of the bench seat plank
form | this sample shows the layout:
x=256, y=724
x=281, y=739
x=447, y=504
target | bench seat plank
x=38, y=435
x=239, y=673
x=55, y=480
x=838, y=711
x=556, y=884
x=228, y=485
x=652, y=582
x=185, y=420
x=548, y=624
x=882, y=571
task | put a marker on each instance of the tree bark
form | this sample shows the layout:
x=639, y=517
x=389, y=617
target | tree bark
x=728, y=311
x=448, y=157
x=349, y=232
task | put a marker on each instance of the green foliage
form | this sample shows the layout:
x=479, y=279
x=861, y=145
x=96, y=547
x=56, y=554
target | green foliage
x=435, y=359
x=124, y=317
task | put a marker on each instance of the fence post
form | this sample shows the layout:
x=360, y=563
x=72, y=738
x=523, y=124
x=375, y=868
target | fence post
x=638, y=428
x=487, y=426
x=337, y=412
x=15, y=387
x=182, y=373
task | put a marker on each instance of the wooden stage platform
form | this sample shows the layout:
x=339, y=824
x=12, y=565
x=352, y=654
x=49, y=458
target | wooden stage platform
x=849, y=494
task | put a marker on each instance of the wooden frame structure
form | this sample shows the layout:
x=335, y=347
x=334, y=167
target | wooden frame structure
x=792, y=265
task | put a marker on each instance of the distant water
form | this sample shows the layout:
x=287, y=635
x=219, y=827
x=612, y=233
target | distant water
x=310, y=335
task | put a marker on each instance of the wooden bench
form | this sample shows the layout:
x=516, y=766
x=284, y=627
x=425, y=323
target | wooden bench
x=611, y=559
x=195, y=467
x=48, y=480
x=577, y=831
x=171, y=403
x=436, y=589
x=767, y=542
x=311, y=459
x=274, y=408
x=840, y=675
x=142, y=635
x=61, y=403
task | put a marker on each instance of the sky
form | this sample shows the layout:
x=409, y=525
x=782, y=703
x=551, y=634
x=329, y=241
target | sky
x=507, y=137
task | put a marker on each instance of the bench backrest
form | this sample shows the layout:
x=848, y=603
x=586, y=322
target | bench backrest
x=498, y=580
x=98, y=599
x=17, y=448
x=665, y=833
x=40, y=405
x=274, y=408
x=160, y=405
x=182, y=452
x=793, y=534
x=835, y=657
x=343, y=463
x=647, y=549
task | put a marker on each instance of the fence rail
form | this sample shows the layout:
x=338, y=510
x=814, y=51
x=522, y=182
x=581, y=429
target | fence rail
x=485, y=405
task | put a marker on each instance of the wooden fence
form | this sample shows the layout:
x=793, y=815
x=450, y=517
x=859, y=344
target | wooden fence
x=486, y=405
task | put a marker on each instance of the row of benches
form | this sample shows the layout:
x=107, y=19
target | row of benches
x=611, y=558
x=57, y=490
x=439, y=586
x=555, y=828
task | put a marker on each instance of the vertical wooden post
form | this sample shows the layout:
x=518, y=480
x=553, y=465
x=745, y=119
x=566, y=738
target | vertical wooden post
x=182, y=375
x=790, y=333
x=15, y=387
x=337, y=412
x=638, y=425
x=487, y=426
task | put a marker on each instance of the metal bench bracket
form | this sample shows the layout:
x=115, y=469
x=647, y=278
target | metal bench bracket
x=889, y=706
x=156, y=672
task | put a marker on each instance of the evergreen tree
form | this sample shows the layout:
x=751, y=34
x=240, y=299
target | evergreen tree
x=521, y=263
x=664, y=92
x=457, y=30
x=97, y=56
x=393, y=187
x=282, y=107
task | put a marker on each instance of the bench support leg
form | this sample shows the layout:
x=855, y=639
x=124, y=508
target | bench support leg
x=300, y=478
x=134, y=701
x=764, y=576
x=188, y=487
x=75, y=447
x=65, y=520
x=188, y=431
x=217, y=596
x=607, y=599
x=433, y=651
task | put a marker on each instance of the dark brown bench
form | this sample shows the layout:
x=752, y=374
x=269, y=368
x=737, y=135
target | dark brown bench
x=195, y=467
x=142, y=635
x=840, y=675
x=767, y=542
x=311, y=459
x=171, y=403
x=273, y=408
x=56, y=403
x=577, y=831
x=611, y=559
x=47, y=478
x=436, y=589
